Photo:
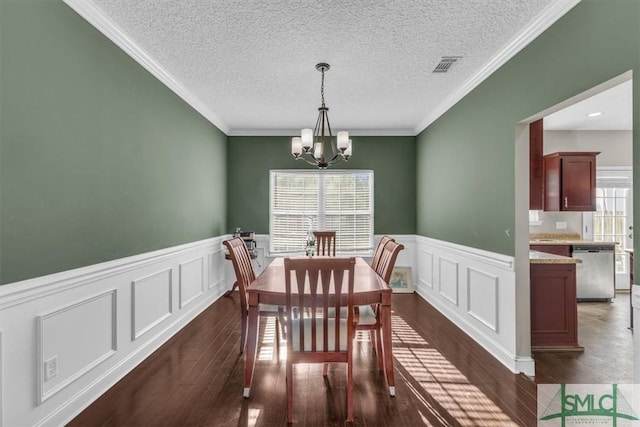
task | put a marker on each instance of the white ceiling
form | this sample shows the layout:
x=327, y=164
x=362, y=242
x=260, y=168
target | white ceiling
x=249, y=66
x=615, y=104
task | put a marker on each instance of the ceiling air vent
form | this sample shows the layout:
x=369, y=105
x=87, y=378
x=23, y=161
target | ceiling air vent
x=446, y=63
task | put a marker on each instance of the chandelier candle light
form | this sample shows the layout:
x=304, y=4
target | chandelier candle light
x=310, y=145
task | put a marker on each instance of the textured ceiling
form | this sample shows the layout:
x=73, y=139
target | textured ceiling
x=252, y=63
x=615, y=104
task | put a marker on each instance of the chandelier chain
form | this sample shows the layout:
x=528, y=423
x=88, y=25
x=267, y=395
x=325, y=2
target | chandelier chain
x=322, y=88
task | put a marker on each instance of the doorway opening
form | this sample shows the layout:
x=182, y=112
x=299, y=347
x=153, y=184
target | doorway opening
x=598, y=120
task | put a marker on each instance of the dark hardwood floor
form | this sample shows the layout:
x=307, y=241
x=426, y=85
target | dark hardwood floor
x=608, y=347
x=442, y=376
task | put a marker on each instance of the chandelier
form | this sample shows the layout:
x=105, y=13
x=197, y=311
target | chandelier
x=310, y=145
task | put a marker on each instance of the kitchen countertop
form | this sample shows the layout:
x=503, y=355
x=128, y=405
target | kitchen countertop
x=536, y=257
x=570, y=242
x=563, y=239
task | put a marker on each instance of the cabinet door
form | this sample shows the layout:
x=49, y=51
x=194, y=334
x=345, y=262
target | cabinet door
x=564, y=250
x=578, y=183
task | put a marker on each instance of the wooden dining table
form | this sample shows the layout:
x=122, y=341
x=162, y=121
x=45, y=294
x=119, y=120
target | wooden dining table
x=269, y=288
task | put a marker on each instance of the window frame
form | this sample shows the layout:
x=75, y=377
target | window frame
x=321, y=213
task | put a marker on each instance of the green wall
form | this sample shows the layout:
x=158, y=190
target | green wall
x=465, y=173
x=99, y=160
x=391, y=158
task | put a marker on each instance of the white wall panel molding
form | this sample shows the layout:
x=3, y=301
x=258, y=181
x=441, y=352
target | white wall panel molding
x=448, y=283
x=480, y=255
x=425, y=268
x=74, y=340
x=476, y=290
x=216, y=266
x=23, y=291
x=191, y=281
x=151, y=301
x=482, y=297
x=97, y=323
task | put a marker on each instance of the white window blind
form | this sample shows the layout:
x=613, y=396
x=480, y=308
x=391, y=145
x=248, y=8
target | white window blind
x=337, y=200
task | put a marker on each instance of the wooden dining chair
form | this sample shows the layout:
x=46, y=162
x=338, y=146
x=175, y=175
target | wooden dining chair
x=367, y=317
x=241, y=259
x=388, y=260
x=378, y=252
x=316, y=286
x=325, y=243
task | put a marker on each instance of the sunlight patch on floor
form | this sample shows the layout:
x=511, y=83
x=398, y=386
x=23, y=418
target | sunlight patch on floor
x=268, y=343
x=252, y=419
x=452, y=391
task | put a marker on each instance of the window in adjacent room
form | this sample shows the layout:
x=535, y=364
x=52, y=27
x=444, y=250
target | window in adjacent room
x=613, y=219
x=340, y=200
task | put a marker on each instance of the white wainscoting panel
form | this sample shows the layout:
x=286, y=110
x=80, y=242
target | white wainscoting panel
x=191, y=281
x=216, y=266
x=78, y=337
x=98, y=323
x=448, y=280
x=151, y=302
x=482, y=297
x=425, y=269
x=476, y=290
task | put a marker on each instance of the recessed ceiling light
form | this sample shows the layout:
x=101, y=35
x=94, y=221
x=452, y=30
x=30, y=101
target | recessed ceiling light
x=594, y=114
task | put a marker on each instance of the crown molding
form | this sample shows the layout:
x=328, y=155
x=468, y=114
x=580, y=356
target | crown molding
x=544, y=20
x=101, y=21
x=292, y=132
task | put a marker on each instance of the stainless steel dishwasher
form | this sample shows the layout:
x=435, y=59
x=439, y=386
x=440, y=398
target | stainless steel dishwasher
x=595, y=276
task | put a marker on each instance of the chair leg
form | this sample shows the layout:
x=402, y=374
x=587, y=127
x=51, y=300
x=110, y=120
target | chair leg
x=379, y=348
x=349, y=390
x=372, y=336
x=243, y=332
x=289, y=391
x=277, y=340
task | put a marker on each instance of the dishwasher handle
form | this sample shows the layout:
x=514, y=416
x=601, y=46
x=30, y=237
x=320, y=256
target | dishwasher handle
x=592, y=249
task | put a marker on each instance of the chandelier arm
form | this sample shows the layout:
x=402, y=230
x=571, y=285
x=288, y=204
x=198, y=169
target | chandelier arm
x=332, y=141
x=316, y=129
x=336, y=159
x=304, y=156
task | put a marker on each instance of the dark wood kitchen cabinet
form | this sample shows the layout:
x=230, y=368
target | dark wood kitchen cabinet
x=554, y=309
x=564, y=250
x=570, y=181
x=536, y=189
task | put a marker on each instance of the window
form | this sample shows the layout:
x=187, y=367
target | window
x=340, y=200
x=613, y=219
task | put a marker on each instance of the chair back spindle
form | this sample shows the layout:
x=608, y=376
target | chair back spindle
x=325, y=243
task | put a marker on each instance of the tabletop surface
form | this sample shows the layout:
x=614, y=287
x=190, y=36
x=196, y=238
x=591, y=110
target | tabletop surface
x=271, y=280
